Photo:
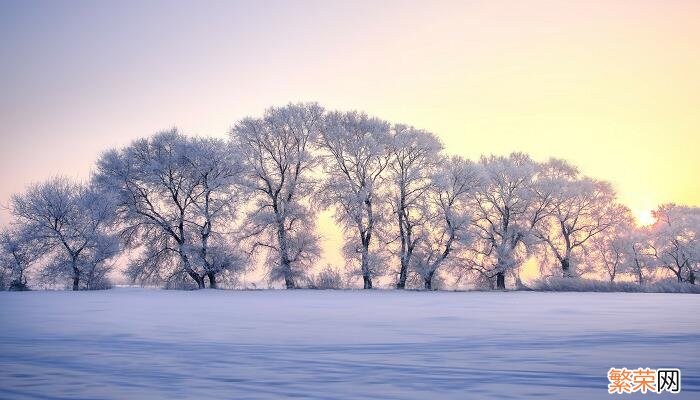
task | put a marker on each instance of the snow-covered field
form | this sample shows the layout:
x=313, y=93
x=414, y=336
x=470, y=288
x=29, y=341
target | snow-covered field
x=140, y=344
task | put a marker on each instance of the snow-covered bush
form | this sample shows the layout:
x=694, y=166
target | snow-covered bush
x=568, y=284
x=559, y=284
x=327, y=278
x=672, y=286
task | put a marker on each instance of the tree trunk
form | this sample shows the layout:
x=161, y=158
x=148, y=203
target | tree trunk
x=691, y=277
x=196, y=278
x=640, y=278
x=212, y=280
x=500, y=281
x=188, y=268
x=428, y=281
x=285, y=264
x=401, y=284
x=289, y=282
x=76, y=274
x=566, y=268
x=366, y=277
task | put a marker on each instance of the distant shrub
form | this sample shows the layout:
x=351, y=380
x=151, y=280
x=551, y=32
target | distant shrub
x=558, y=284
x=672, y=286
x=100, y=284
x=177, y=284
x=327, y=278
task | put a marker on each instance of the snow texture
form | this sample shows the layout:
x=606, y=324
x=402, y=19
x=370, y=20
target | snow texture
x=142, y=344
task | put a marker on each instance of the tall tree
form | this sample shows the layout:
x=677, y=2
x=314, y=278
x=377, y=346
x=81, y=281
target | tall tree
x=449, y=216
x=172, y=192
x=278, y=162
x=357, y=155
x=414, y=159
x=216, y=204
x=506, y=210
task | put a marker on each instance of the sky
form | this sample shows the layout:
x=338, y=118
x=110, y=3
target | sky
x=614, y=87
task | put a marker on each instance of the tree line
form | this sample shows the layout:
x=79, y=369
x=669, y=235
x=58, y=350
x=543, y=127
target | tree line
x=180, y=210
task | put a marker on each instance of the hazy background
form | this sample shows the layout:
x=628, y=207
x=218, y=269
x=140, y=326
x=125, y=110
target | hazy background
x=611, y=86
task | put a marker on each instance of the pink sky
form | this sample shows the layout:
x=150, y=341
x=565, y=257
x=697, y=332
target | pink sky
x=612, y=86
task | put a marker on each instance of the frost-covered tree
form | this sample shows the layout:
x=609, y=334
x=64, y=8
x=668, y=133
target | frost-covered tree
x=638, y=256
x=414, y=159
x=357, y=155
x=155, y=192
x=675, y=240
x=622, y=249
x=19, y=251
x=174, y=195
x=506, y=209
x=577, y=209
x=278, y=162
x=73, y=222
x=449, y=215
x=611, y=252
x=216, y=203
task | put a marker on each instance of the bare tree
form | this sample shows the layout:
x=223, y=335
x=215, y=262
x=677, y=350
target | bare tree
x=71, y=221
x=278, y=166
x=414, y=158
x=357, y=155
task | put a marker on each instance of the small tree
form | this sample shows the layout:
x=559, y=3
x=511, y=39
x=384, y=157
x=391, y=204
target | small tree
x=73, y=222
x=19, y=251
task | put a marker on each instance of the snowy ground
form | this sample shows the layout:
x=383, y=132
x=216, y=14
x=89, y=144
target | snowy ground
x=139, y=344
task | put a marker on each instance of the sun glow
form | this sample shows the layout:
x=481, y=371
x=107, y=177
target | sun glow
x=644, y=217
